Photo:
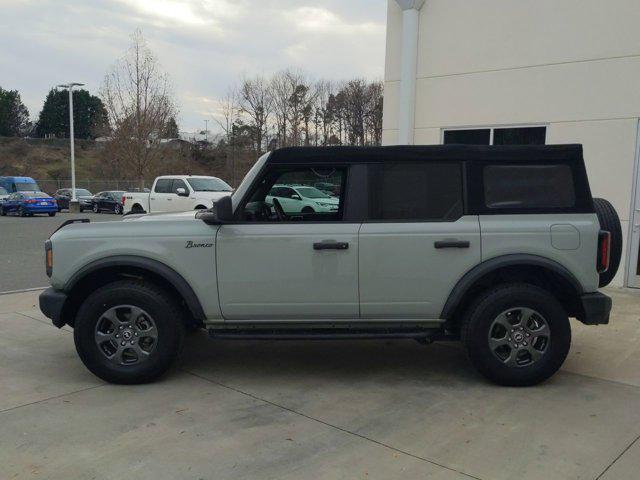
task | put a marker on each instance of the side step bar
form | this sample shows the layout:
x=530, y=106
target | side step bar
x=421, y=335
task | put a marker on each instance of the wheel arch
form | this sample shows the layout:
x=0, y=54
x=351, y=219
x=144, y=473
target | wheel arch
x=109, y=269
x=543, y=272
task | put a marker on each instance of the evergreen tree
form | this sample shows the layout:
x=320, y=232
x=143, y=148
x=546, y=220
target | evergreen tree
x=14, y=116
x=89, y=115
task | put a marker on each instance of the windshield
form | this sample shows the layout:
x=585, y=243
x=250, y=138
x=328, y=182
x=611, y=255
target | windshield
x=208, y=185
x=35, y=195
x=26, y=187
x=82, y=192
x=3, y=191
x=311, y=192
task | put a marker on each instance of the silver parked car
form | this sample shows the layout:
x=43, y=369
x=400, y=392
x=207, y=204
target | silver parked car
x=495, y=247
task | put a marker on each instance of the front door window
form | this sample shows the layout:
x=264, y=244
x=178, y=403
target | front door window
x=293, y=194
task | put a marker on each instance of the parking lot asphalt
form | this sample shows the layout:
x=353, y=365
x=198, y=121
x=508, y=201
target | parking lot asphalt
x=22, y=247
x=318, y=410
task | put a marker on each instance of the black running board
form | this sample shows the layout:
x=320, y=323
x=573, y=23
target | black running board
x=422, y=335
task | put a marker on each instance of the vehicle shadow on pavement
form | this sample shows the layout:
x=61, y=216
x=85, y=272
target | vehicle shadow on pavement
x=386, y=361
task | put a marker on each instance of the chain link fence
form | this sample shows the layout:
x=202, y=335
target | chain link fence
x=94, y=186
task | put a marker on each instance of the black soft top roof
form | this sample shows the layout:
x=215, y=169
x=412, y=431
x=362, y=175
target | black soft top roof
x=507, y=153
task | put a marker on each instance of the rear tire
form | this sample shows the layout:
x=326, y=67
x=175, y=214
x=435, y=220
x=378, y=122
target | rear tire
x=52, y=214
x=117, y=209
x=95, y=208
x=108, y=322
x=609, y=221
x=22, y=212
x=529, y=351
x=2, y=212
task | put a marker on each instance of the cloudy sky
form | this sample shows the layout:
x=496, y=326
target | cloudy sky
x=204, y=45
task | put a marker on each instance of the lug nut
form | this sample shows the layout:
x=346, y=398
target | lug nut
x=132, y=342
x=123, y=343
x=117, y=336
x=525, y=344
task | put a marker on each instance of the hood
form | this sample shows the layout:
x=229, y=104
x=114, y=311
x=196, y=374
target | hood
x=328, y=201
x=211, y=195
x=191, y=215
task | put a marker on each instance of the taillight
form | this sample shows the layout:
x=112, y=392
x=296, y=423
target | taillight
x=604, y=251
x=48, y=251
x=30, y=201
x=123, y=197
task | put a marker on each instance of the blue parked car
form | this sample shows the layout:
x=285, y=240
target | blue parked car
x=19, y=184
x=27, y=204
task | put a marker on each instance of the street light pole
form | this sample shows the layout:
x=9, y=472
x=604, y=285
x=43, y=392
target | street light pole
x=74, y=198
x=206, y=131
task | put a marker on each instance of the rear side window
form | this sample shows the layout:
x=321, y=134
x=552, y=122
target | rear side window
x=417, y=191
x=529, y=186
x=163, y=185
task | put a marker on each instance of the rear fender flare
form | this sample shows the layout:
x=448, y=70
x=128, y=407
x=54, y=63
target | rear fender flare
x=466, y=283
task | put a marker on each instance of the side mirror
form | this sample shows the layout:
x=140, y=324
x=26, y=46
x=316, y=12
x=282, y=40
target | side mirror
x=295, y=196
x=182, y=192
x=222, y=212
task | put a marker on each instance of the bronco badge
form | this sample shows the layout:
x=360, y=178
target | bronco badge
x=190, y=244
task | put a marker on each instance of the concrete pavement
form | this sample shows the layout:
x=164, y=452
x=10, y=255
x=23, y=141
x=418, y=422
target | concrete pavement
x=327, y=410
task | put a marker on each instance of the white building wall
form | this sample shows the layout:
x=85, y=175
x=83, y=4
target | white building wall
x=573, y=65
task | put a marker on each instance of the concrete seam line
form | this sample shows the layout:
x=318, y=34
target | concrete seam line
x=51, y=398
x=24, y=290
x=618, y=457
x=344, y=430
x=49, y=324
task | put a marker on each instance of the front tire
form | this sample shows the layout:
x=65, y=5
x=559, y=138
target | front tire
x=516, y=334
x=117, y=209
x=22, y=212
x=3, y=213
x=95, y=208
x=52, y=214
x=129, y=332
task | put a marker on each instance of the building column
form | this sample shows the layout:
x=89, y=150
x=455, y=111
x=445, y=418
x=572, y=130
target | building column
x=409, y=69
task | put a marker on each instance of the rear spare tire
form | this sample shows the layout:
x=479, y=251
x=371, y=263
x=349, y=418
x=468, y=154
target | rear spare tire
x=609, y=221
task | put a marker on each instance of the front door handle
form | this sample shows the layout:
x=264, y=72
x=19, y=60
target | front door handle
x=328, y=245
x=452, y=244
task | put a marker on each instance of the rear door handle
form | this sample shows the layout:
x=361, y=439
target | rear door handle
x=452, y=244
x=331, y=246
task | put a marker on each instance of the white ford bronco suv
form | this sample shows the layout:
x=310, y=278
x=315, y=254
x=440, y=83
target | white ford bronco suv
x=494, y=246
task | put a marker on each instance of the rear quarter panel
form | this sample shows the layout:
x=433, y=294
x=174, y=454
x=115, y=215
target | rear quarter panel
x=165, y=241
x=568, y=239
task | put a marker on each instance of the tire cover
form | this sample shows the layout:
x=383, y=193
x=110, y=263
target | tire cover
x=610, y=222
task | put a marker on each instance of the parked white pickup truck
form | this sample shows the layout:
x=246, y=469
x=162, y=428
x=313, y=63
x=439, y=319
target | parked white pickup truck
x=177, y=193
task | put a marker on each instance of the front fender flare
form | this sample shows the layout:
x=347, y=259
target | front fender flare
x=167, y=273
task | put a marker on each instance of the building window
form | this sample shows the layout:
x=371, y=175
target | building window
x=496, y=136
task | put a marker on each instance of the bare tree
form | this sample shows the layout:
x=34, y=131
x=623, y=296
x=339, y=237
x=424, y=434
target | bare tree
x=228, y=113
x=138, y=97
x=256, y=103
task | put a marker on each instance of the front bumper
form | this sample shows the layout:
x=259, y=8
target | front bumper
x=596, y=309
x=52, y=303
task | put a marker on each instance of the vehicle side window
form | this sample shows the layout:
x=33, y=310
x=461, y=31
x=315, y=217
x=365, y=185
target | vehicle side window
x=163, y=185
x=177, y=183
x=281, y=206
x=529, y=186
x=415, y=191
